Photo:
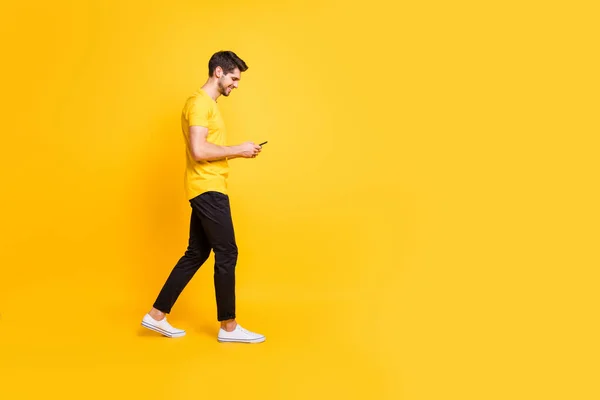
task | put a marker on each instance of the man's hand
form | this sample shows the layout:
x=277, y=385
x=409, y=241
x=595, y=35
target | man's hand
x=249, y=150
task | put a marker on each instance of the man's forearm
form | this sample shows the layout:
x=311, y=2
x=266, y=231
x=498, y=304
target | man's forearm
x=212, y=152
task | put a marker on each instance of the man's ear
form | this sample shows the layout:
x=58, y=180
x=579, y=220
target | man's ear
x=218, y=72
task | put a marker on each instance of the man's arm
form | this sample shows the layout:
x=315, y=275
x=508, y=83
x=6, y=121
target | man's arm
x=202, y=150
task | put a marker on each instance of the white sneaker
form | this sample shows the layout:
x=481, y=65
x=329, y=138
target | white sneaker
x=239, y=334
x=162, y=327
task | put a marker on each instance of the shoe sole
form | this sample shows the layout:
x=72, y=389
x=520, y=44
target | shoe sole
x=241, y=341
x=162, y=332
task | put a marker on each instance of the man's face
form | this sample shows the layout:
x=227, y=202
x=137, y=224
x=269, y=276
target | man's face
x=229, y=82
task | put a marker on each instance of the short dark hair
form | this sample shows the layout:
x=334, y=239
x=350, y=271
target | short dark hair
x=227, y=60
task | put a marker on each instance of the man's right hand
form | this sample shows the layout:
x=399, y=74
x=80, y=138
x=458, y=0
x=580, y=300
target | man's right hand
x=249, y=150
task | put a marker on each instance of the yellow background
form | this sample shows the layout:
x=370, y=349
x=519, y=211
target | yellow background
x=423, y=223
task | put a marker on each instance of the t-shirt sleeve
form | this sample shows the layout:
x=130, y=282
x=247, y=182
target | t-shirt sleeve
x=199, y=113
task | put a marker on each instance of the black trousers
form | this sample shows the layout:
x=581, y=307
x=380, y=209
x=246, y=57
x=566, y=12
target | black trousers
x=211, y=228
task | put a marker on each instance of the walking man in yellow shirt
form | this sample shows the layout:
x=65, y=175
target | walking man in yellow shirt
x=211, y=226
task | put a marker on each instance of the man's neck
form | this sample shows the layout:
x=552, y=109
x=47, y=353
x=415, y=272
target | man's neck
x=211, y=89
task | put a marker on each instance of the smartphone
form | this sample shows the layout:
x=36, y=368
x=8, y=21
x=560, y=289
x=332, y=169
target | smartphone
x=262, y=143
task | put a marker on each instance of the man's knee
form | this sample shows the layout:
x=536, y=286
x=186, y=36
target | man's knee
x=226, y=257
x=228, y=252
x=196, y=255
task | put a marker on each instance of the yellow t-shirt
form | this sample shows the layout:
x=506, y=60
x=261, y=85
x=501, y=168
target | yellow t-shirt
x=203, y=176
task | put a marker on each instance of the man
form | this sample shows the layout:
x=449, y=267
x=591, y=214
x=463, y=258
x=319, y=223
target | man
x=211, y=226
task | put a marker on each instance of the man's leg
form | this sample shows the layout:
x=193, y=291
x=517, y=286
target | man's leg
x=215, y=213
x=196, y=254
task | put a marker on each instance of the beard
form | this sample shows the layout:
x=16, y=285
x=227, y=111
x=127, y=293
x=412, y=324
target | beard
x=223, y=89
